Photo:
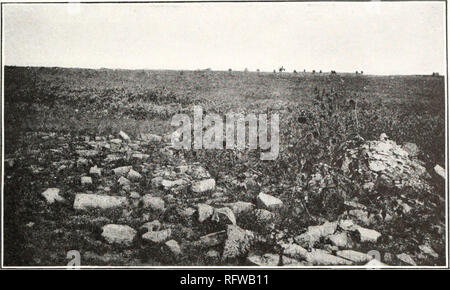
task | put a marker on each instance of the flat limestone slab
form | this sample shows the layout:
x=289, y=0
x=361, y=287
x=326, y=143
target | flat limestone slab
x=84, y=201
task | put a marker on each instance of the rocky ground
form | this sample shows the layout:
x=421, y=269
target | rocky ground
x=122, y=201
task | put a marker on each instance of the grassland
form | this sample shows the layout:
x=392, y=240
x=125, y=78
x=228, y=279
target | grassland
x=85, y=102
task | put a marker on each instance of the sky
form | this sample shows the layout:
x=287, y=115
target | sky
x=378, y=38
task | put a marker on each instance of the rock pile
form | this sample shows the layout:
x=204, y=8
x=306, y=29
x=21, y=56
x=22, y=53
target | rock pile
x=140, y=198
x=387, y=163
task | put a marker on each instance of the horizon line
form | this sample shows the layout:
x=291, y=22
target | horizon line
x=226, y=70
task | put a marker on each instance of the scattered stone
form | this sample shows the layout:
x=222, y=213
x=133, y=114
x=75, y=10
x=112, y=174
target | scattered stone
x=124, y=136
x=151, y=138
x=86, y=180
x=347, y=225
x=198, y=172
x=314, y=234
x=263, y=216
x=157, y=237
x=217, y=195
x=321, y=257
x=374, y=263
x=369, y=186
x=82, y=162
x=388, y=258
x=87, y=153
x=428, y=251
x=168, y=184
x=224, y=214
x=204, y=211
x=367, y=235
x=411, y=148
x=240, y=207
x=181, y=169
x=330, y=248
x=135, y=195
x=268, y=260
x=85, y=201
x=106, y=259
x=52, y=195
x=213, y=239
x=238, y=242
x=140, y=156
x=405, y=258
x=354, y=256
x=406, y=208
x=157, y=181
x=169, y=198
x=112, y=157
x=118, y=234
x=9, y=162
x=174, y=248
x=95, y=171
x=151, y=226
x=134, y=175
x=355, y=205
x=440, y=171
x=361, y=216
x=268, y=202
x=123, y=181
x=155, y=203
x=62, y=167
x=294, y=251
x=212, y=257
x=188, y=212
x=341, y=240
x=204, y=185
x=122, y=171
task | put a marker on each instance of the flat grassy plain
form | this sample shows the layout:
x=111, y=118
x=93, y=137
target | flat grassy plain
x=406, y=108
x=87, y=102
